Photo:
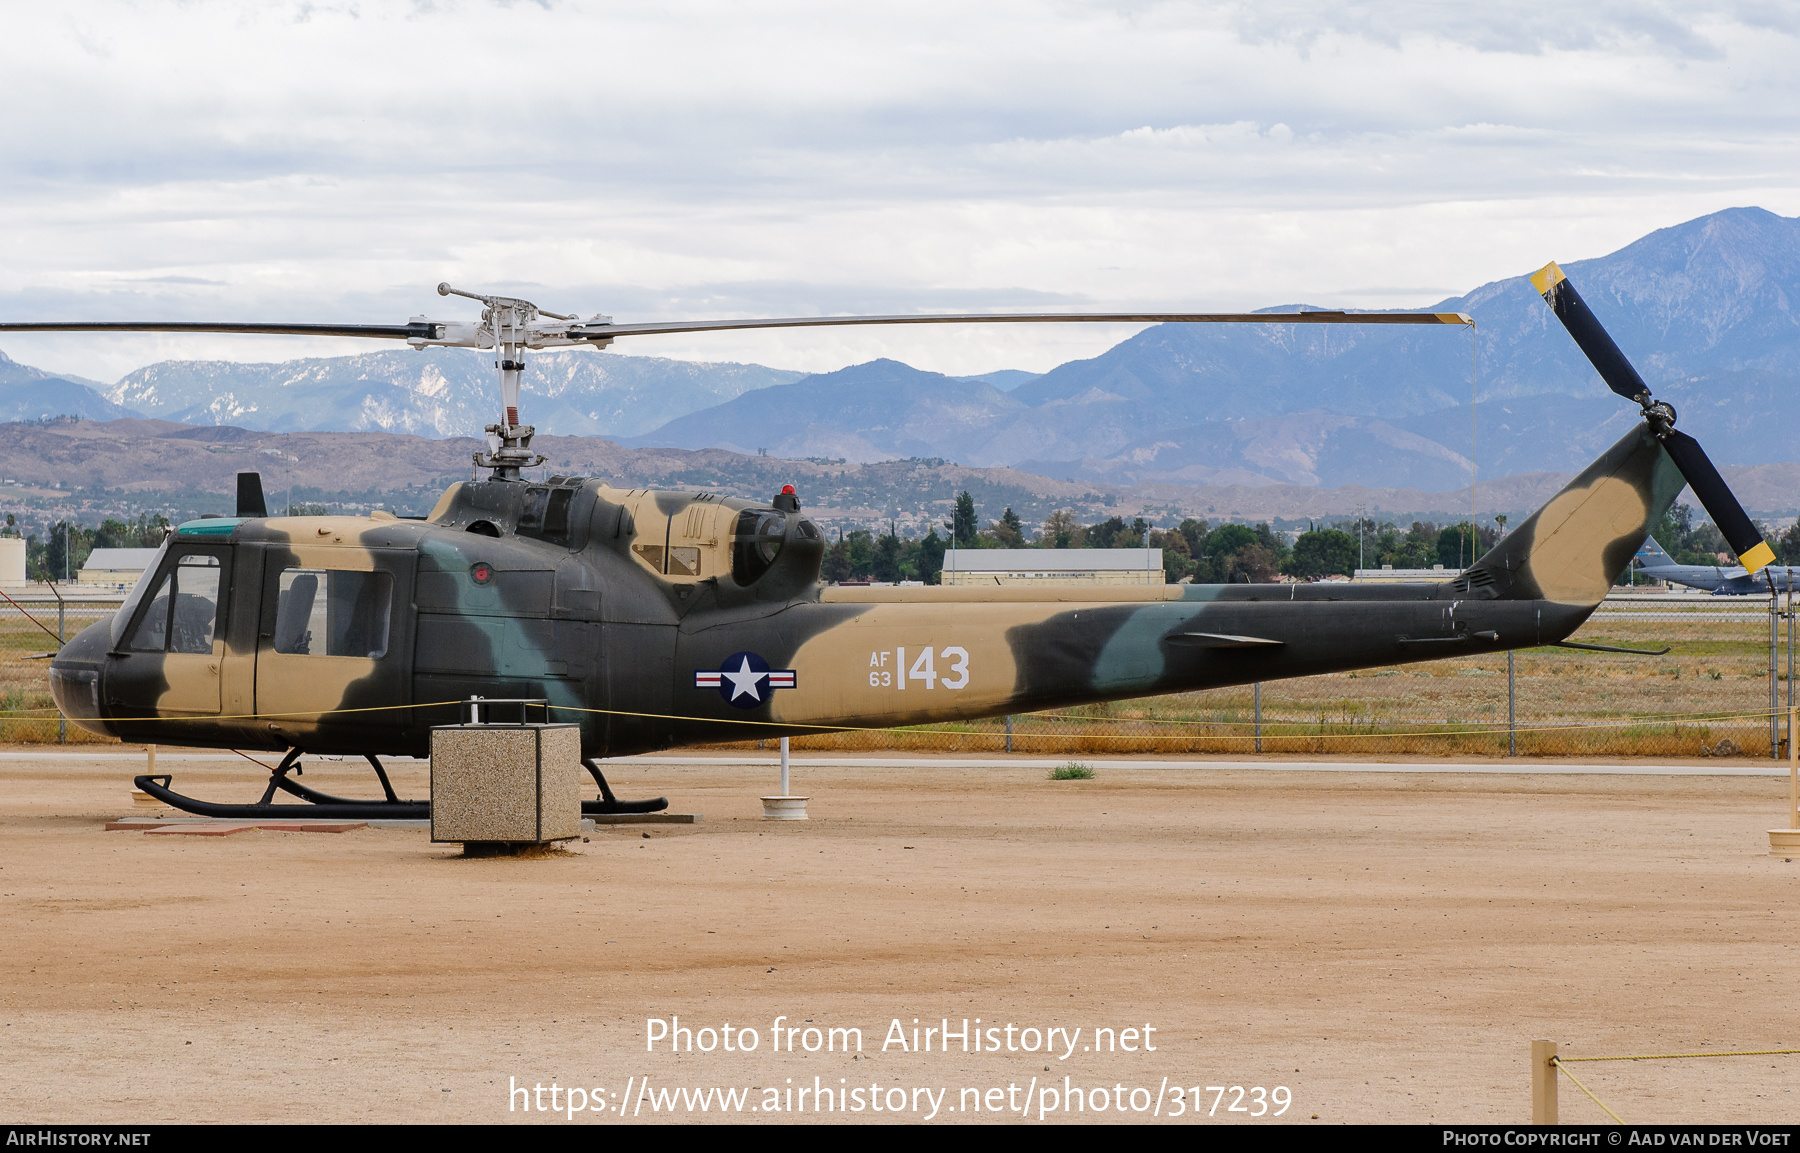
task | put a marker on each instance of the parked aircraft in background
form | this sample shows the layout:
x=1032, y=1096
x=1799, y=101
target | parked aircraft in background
x=1720, y=580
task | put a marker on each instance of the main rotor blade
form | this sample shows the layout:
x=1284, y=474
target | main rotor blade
x=1727, y=514
x=1594, y=340
x=433, y=331
x=385, y=331
x=1317, y=317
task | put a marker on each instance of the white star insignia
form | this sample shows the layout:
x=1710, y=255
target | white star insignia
x=744, y=681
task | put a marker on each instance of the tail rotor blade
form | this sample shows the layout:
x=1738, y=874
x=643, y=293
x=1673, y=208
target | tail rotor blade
x=1594, y=340
x=1752, y=551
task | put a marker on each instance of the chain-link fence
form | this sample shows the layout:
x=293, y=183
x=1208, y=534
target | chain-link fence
x=1709, y=694
x=30, y=627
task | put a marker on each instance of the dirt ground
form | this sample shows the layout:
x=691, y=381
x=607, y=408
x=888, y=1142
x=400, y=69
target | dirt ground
x=1383, y=947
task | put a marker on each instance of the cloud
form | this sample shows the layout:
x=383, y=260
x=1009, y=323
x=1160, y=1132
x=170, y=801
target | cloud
x=319, y=161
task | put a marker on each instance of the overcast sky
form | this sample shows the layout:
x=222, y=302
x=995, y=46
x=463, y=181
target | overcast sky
x=334, y=161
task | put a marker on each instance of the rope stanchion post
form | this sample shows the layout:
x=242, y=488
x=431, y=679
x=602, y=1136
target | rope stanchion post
x=1512, y=722
x=1774, y=686
x=62, y=608
x=1785, y=843
x=1543, y=1083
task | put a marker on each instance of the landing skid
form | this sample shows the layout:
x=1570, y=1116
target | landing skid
x=324, y=806
x=608, y=804
x=320, y=805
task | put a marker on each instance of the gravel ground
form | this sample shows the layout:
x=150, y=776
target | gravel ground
x=1383, y=947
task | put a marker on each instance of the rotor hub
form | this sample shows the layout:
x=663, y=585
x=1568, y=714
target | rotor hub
x=1660, y=414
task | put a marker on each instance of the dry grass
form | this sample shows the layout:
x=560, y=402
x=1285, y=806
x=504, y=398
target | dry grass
x=27, y=713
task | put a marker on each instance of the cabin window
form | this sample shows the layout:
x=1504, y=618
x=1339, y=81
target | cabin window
x=332, y=612
x=183, y=616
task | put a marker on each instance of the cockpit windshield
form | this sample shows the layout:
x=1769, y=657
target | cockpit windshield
x=136, y=595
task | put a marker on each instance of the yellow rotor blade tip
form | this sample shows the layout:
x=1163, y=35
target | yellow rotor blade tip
x=1547, y=277
x=1758, y=557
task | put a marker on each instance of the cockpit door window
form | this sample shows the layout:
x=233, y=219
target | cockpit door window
x=183, y=616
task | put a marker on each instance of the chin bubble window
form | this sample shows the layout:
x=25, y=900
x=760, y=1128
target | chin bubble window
x=332, y=613
x=756, y=543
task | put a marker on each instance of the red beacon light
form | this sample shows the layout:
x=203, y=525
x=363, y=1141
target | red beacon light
x=787, y=490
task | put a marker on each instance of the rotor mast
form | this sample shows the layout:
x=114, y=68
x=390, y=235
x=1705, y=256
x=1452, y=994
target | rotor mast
x=509, y=326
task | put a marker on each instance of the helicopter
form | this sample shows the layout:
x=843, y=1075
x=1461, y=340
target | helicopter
x=655, y=619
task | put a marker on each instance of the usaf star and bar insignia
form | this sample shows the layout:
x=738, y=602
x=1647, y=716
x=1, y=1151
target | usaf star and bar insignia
x=745, y=680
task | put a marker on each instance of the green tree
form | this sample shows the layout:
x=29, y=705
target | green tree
x=145, y=532
x=1194, y=532
x=1787, y=548
x=1009, y=530
x=1461, y=545
x=1060, y=530
x=1103, y=535
x=1253, y=564
x=1417, y=548
x=63, y=554
x=836, y=565
x=861, y=546
x=1323, y=552
x=887, y=556
x=964, y=526
x=1177, y=561
x=931, y=558
x=1674, y=528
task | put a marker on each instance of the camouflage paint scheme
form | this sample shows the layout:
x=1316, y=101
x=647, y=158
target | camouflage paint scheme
x=622, y=602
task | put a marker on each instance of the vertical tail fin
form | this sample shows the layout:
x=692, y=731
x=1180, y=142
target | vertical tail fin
x=1651, y=553
x=1572, y=549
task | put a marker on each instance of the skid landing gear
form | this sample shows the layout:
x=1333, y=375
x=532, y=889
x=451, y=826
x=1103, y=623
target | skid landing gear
x=609, y=804
x=327, y=807
x=319, y=805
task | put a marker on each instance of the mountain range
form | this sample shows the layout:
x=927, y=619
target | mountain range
x=1705, y=309
x=89, y=470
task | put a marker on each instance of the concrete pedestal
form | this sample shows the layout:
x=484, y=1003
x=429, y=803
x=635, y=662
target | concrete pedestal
x=505, y=784
x=784, y=808
x=1784, y=843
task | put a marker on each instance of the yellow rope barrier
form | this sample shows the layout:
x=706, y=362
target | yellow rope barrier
x=1562, y=1063
x=1558, y=1062
x=1500, y=726
x=1682, y=1056
x=1420, y=729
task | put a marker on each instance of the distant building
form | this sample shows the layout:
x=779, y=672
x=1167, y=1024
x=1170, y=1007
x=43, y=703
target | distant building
x=12, y=561
x=115, y=566
x=1388, y=574
x=1053, y=566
